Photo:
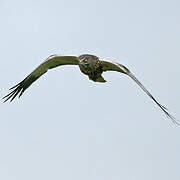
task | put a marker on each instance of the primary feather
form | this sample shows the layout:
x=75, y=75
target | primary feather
x=113, y=66
x=52, y=61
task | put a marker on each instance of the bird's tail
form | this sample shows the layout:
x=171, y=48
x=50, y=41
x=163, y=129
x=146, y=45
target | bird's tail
x=100, y=79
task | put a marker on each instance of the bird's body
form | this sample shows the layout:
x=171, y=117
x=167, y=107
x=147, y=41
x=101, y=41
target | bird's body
x=89, y=65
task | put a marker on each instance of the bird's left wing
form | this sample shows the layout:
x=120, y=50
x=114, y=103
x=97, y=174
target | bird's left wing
x=51, y=62
x=113, y=66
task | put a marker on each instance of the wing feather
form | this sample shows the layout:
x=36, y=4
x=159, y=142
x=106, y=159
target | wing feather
x=51, y=62
x=113, y=66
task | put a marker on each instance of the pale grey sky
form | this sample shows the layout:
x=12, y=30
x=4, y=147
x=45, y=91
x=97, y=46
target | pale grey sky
x=67, y=127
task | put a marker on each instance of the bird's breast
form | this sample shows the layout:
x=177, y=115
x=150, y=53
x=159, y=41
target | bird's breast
x=85, y=69
x=93, y=72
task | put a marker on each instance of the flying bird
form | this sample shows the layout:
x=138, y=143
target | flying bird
x=89, y=65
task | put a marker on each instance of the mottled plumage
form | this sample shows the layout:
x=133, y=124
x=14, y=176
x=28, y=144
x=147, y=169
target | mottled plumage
x=90, y=65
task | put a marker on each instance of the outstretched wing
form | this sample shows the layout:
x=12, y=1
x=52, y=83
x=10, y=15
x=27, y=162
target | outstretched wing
x=51, y=62
x=113, y=66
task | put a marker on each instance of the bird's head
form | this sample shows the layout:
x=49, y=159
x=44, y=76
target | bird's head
x=87, y=60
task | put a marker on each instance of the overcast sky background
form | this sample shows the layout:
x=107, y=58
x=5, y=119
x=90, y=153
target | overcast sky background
x=67, y=127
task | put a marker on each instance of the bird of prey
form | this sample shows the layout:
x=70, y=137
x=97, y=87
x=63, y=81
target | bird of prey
x=89, y=65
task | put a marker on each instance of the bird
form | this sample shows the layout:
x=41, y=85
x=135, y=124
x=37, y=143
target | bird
x=90, y=65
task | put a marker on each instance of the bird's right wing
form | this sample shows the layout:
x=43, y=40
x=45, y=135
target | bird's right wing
x=113, y=66
x=51, y=62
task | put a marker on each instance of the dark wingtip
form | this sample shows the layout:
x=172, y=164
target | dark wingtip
x=14, y=86
x=173, y=119
x=15, y=91
x=169, y=116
